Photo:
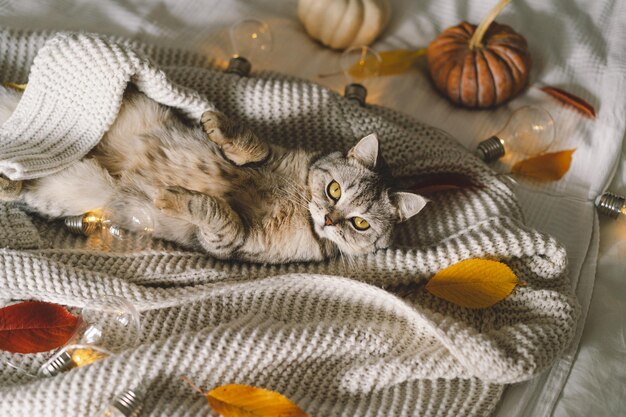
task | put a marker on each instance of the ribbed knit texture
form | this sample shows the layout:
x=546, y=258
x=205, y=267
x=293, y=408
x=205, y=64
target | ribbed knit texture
x=76, y=89
x=339, y=339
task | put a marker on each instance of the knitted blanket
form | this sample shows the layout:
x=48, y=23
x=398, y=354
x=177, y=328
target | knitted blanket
x=336, y=338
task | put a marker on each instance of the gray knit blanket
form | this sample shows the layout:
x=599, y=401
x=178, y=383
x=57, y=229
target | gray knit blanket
x=339, y=339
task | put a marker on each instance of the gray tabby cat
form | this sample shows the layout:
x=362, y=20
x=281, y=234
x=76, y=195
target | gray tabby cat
x=223, y=188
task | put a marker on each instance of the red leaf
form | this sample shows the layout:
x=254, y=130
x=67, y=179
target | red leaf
x=35, y=326
x=442, y=181
x=570, y=99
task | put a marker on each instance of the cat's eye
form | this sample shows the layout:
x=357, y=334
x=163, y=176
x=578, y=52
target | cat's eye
x=360, y=223
x=334, y=190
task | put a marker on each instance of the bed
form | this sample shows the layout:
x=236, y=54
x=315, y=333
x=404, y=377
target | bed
x=578, y=46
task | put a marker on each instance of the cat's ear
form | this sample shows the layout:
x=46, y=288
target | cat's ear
x=366, y=151
x=408, y=204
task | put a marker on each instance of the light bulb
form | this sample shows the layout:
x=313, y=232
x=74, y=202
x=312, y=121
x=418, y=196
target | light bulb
x=359, y=63
x=250, y=39
x=107, y=326
x=612, y=205
x=115, y=220
x=124, y=405
x=124, y=216
x=529, y=131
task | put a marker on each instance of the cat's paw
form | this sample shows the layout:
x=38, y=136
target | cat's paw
x=238, y=143
x=212, y=122
x=9, y=190
x=173, y=201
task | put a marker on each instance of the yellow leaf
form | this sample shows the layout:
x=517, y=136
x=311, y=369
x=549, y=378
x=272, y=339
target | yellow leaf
x=473, y=283
x=546, y=167
x=393, y=62
x=235, y=400
x=20, y=87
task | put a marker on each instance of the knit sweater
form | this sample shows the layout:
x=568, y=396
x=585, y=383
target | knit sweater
x=338, y=339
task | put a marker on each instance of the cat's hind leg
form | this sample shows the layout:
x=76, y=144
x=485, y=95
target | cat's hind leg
x=219, y=229
x=239, y=144
x=81, y=187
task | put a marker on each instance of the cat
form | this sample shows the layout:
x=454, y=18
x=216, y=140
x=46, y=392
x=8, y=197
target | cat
x=220, y=187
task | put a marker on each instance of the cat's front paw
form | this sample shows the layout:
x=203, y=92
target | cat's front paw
x=9, y=190
x=212, y=122
x=173, y=201
x=239, y=144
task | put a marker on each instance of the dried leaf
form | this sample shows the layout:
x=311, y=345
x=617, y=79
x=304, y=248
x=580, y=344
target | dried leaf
x=34, y=326
x=15, y=86
x=473, y=283
x=570, y=99
x=547, y=167
x=441, y=181
x=235, y=400
x=393, y=62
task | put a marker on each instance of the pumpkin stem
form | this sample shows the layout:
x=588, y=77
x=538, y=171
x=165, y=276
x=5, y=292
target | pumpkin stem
x=477, y=37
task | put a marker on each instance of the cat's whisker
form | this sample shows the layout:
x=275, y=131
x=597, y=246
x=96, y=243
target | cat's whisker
x=347, y=261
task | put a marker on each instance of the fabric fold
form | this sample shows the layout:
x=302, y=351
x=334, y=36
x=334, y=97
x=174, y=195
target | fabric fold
x=75, y=88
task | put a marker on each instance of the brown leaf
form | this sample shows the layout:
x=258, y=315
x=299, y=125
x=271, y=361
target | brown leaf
x=441, y=181
x=473, y=283
x=35, y=326
x=547, y=167
x=235, y=400
x=570, y=99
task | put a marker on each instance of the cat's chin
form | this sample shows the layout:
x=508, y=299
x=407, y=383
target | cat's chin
x=319, y=230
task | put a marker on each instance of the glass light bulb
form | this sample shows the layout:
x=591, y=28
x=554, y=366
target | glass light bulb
x=251, y=40
x=107, y=326
x=118, y=220
x=108, y=316
x=123, y=219
x=358, y=64
x=529, y=132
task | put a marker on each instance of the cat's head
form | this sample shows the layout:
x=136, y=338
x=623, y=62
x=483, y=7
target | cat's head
x=351, y=203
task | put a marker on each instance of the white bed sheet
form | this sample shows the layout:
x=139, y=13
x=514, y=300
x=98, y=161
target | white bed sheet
x=578, y=45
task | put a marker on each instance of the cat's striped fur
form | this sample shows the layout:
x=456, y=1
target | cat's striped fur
x=220, y=187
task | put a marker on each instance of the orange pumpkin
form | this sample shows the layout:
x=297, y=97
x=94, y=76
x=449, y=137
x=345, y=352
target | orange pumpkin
x=483, y=73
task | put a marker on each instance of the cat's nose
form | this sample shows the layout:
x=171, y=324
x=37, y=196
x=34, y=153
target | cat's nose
x=327, y=220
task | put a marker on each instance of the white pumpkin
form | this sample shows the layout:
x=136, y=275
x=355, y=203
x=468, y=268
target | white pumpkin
x=344, y=23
